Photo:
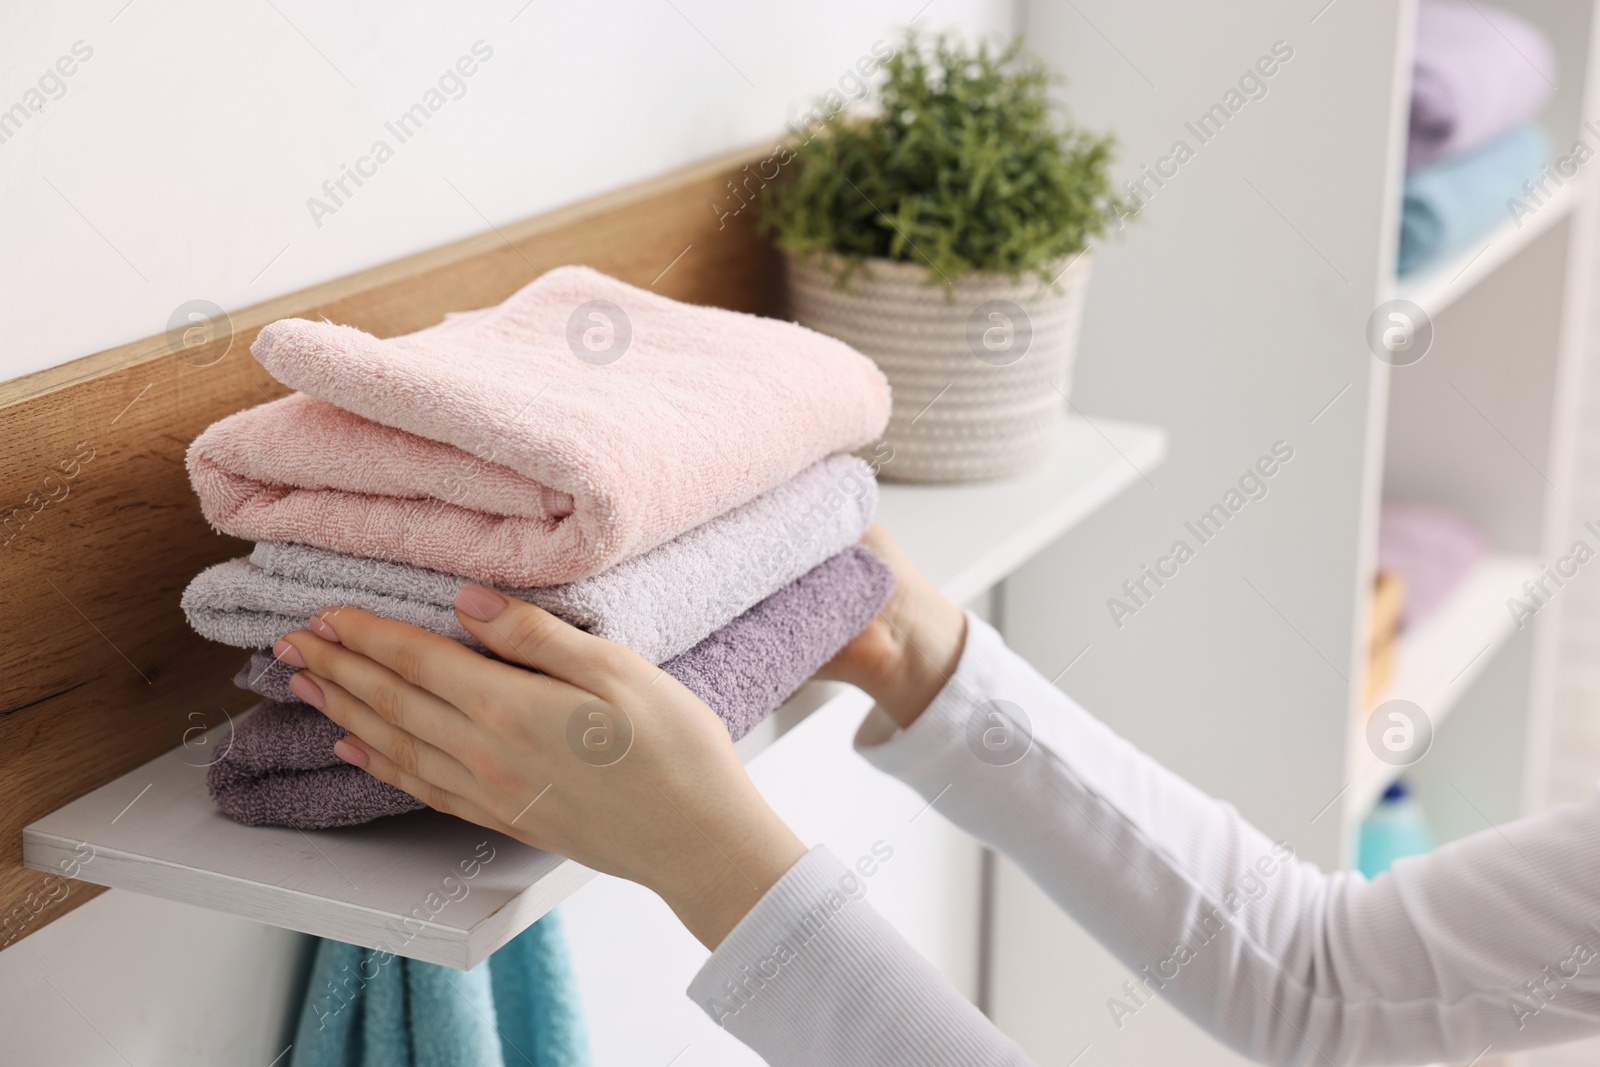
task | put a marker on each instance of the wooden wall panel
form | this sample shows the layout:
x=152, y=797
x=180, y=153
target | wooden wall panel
x=100, y=532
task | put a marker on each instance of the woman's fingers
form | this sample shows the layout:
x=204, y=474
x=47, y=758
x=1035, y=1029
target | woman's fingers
x=518, y=631
x=460, y=678
x=406, y=705
x=360, y=753
x=412, y=752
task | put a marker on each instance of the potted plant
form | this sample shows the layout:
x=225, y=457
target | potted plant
x=945, y=233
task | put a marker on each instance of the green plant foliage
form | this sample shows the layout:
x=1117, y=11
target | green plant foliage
x=965, y=166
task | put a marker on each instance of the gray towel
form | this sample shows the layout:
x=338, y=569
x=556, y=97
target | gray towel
x=744, y=670
x=659, y=604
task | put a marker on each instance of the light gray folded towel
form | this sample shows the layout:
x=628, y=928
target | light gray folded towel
x=659, y=604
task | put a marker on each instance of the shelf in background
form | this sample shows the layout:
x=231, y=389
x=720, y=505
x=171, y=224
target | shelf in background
x=1436, y=287
x=968, y=537
x=155, y=830
x=1439, y=659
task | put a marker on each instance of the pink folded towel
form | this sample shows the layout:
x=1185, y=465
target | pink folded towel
x=488, y=446
x=1431, y=548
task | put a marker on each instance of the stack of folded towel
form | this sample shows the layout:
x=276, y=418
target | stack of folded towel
x=692, y=498
x=1480, y=76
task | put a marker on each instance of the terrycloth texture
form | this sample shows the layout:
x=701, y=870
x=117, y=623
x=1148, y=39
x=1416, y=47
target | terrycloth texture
x=749, y=667
x=278, y=769
x=485, y=446
x=267, y=676
x=1431, y=548
x=368, y=1008
x=283, y=771
x=1478, y=72
x=1451, y=204
x=658, y=604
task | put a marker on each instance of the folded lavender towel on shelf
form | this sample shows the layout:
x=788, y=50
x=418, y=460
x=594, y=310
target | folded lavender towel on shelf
x=1478, y=71
x=658, y=604
x=281, y=771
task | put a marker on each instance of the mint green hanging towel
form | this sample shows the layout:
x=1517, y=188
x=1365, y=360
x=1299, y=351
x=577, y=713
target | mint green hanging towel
x=519, y=1008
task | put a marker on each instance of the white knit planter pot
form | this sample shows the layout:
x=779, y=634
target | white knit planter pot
x=979, y=381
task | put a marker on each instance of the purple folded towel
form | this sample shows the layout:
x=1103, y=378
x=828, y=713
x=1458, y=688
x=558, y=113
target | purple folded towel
x=281, y=770
x=753, y=664
x=1478, y=71
x=1431, y=548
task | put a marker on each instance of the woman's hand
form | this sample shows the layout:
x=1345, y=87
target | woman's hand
x=906, y=655
x=602, y=757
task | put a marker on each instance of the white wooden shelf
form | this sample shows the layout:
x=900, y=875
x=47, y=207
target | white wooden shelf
x=1436, y=287
x=1439, y=659
x=156, y=831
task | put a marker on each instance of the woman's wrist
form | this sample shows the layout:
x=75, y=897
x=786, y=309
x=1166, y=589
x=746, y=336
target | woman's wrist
x=903, y=661
x=906, y=655
x=711, y=895
x=929, y=636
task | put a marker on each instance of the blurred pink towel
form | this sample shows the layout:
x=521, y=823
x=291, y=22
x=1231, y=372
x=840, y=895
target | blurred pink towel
x=513, y=446
x=1432, y=548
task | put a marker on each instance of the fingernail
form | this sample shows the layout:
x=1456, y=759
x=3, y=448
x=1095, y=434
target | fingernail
x=480, y=603
x=287, y=653
x=349, y=753
x=306, y=690
x=323, y=628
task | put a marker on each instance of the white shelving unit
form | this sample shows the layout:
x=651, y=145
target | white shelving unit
x=155, y=830
x=1484, y=424
x=1440, y=284
x=1440, y=659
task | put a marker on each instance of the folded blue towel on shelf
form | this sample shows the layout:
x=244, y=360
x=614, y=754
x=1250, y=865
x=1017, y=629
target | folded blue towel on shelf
x=518, y=1008
x=1451, y=204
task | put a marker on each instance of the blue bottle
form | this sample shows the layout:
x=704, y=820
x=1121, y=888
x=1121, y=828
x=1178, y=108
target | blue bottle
x=1394, y=828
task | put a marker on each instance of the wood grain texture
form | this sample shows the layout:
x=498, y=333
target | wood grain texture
x=100, y=532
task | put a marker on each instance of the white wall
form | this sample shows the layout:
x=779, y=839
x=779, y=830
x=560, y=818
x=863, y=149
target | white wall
x=128, y=979
x=177, y=165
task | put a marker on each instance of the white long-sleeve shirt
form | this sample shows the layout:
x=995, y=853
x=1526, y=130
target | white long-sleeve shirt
x=1493, y=940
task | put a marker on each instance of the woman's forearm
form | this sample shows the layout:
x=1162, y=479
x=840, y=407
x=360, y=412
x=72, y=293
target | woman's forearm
x=812, y=976
x=1278, y=959
x=1485, y=942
